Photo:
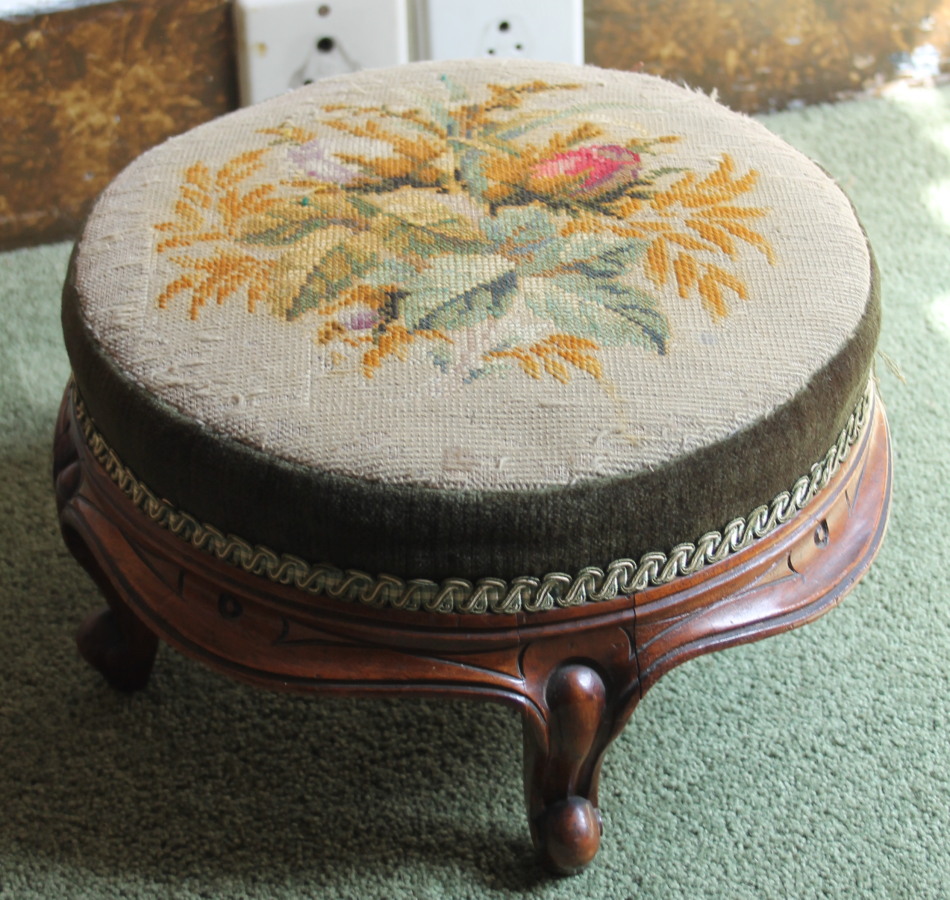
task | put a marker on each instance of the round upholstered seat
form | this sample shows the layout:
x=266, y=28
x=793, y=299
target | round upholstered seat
x=474, y=324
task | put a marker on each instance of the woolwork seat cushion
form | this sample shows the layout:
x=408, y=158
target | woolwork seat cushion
x=446, y=335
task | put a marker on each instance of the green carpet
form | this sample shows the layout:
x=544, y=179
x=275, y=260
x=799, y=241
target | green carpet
x=816, y=764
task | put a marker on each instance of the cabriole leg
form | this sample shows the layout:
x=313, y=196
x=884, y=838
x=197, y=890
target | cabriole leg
x=562, y=767
x=114, y=641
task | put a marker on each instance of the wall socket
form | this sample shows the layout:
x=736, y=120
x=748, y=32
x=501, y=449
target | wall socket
x=550, y=30
x=284, y=44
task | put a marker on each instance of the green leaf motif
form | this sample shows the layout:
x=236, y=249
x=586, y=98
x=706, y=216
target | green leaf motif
x=427, y=240
x=292, y=222
x=523, y=234
x=457, y=92
x=417, y=222
x=284, y=230
x=462, y=209
x=458, y=292
x=469, y=167
x=442, y=355
x=349, y=265
x=619, y=258
x=390, y=271
x=529, y=237
x=587, y=299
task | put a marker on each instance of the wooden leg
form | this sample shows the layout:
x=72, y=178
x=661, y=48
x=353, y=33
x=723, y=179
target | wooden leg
x=576, y=674
x=562, y=767
x=114, y=641
x=117, y=644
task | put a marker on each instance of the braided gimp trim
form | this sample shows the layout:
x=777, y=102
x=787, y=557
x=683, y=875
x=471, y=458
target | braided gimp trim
x=488, y=595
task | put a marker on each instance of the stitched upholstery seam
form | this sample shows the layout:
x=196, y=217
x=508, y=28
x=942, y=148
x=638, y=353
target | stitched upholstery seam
x=526, y=593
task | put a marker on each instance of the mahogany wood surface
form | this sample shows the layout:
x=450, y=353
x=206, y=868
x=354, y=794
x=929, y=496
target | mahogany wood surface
x=576, y=674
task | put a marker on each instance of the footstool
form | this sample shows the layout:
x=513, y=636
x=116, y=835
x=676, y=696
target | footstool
x=507, y=380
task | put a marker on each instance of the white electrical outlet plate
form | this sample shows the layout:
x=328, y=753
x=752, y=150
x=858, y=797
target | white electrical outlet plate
x=284, y=44
x=550, y=30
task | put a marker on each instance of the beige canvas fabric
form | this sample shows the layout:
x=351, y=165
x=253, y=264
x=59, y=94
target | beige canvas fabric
x=475, y=275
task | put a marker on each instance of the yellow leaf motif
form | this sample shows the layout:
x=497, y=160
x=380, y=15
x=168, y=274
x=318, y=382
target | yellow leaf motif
x=710, y=289
x=217, y=277
x=714, y=221
x=687, y=273
x=544, y=356
x=658, y=261
x=395, y=341
x=239, y=168
x=210, y=211
x=751, y=237
x=411, y=233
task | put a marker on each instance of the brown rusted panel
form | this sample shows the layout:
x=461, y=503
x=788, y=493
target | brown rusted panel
x=85, y=91
x=762, y=55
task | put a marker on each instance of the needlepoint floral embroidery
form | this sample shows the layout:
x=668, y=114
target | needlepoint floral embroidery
x=494, y=235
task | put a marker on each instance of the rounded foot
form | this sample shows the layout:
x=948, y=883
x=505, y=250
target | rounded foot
x=569, y=835
x=125, y=664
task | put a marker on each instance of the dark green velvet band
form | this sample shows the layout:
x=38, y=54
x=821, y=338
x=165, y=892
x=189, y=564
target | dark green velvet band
x=433, y=533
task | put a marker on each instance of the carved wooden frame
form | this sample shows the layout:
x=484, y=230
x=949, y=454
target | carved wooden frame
x=576, y=674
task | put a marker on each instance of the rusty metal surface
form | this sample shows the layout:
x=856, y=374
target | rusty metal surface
x=760, y=56
x=87, y=90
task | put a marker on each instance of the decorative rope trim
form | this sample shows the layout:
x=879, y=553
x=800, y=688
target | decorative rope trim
x=489, y=595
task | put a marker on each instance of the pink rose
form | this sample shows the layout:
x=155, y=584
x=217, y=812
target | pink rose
x=599, y=166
